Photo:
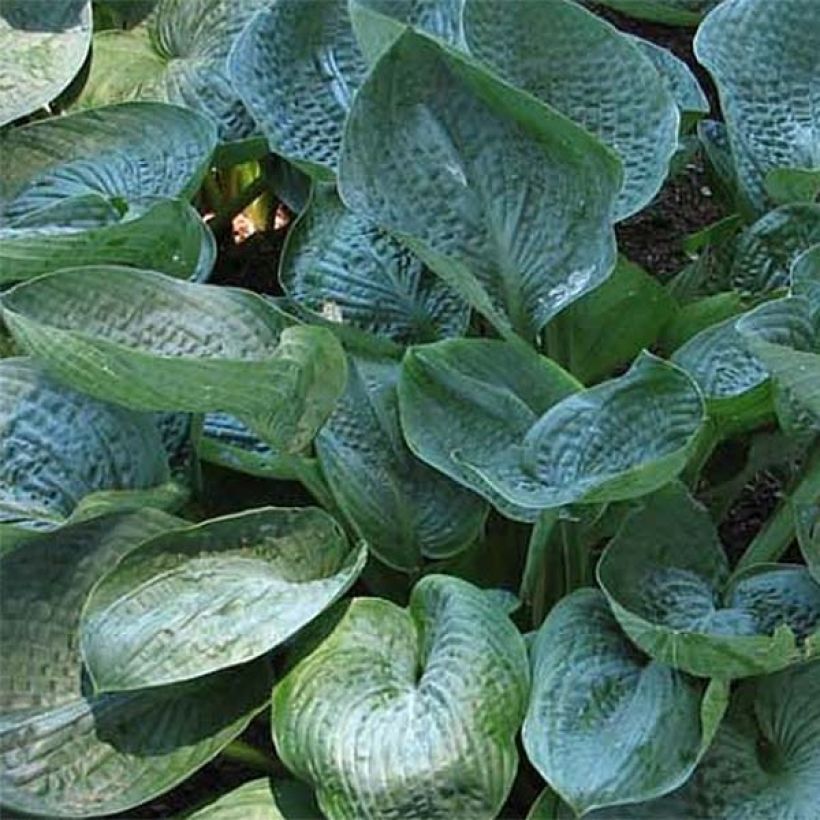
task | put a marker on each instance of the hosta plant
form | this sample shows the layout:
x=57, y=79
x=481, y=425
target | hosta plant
x=429, y=508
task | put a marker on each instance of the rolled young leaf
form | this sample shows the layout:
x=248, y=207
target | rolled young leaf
x=196, y=600
x=42, y=47
x=408, y=713
x=117, y=153
x=667, y=580
x=405, y=510
x=341, y=265
x=297, y=74
x=59, y=447
x=149, y=342
x=593, y=691
x=503, y=197
x=471, y=399
x=763, y=58
x=586, y=69
x=66, y=753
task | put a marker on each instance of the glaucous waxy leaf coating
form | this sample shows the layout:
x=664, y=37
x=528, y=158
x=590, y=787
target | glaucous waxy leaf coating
x=213, y=595
x=42, y=46
x=764, y=59
x=179, y=56
x=586, y=69
x=113, y=154
x=185, y=347
x=408, y=713
x=593, y=690
x=339, y=264
x=507, y=200
x=667, y=580
x=64, y=752
x=402, y=508
x=297, y=74
x=263, y=800
x=58, y=447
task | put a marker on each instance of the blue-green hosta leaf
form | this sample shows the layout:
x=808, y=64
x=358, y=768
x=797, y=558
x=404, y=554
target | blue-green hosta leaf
x=763, y=57
x=666, y=577
x=58, y=447
x=149, y=342
x=378, y=23
x=263, y=800
x=405, y=510
x=297, y=74
x=672, y=12
x=118, y=153
x=592, y=690
x=620, y=439
x=179, y=56
x=768, y=249
x=677, y=76
x=196, y=600
x=503, y=197
x=807, y=521
x=341, y=265
x=805, y=279
x=463, y=399
x=42, y=46
x=793, y=360
x=166, y=235
x=408, y=713
x=64, y=752
x=584, y=68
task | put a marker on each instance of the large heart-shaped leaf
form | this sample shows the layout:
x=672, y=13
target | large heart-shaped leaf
x=768, y=249
x=621, y=439
x=593, y=691
x=297, y=74
x=263, y=800
x=403, y=509
x=179, y=56
x=763, y=57
x=114, y=154
x=149, y=342
x=340, y=265
x=667, y=580
x=58, y=447
x=507, y=200
x=463, y=400
x=69, y=754
x=196, y=600
x=672, y=12
x=587, y=70
x=42, y=47
x=167, y=235
x=408, y=713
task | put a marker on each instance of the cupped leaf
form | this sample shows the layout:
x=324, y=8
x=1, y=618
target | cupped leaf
x=621, y=439
x=593, y=691
x=58, y=447
x=768, y=249
x=763, y=58
x=66, y=753
x=408, y=713
x=405, y=510
x=165, y=235
x=507, y=200
x=470, y=399
x=587, y=70
x=179, y=56
x=196, y=600
x=346, y=268
x=667, y=580
x=149, y=342
x=672, y=12
x=297, y=74
x=42, y=47
x=263, y=800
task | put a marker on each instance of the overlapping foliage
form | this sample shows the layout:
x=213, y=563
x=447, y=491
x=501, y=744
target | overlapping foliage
x=519, y=444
